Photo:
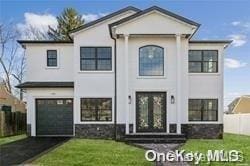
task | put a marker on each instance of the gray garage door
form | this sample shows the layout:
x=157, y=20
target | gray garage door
x=54, y=117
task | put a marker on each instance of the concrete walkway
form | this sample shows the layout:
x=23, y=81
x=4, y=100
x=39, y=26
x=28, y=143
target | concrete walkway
x=164, y=148
x=18, y=152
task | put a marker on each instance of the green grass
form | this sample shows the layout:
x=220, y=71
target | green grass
x=94, y=153
x=229, y=142
x=5, y=140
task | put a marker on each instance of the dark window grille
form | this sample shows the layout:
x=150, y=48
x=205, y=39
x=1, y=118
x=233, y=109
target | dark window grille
x=203, y=110
x=203, y=61
x=95, y=58
x=51, y=58
x=151, y=61
x=96, y=109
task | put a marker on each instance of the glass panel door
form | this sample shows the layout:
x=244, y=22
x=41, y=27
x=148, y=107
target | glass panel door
x=150, y=112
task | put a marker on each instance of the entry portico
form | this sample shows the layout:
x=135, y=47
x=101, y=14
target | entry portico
x=139, y=31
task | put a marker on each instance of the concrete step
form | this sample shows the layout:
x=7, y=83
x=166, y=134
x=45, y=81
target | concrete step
x=155, y=138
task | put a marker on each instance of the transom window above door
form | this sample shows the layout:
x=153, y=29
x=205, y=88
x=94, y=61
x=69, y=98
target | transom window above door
x=95, y=58
x=151, y=61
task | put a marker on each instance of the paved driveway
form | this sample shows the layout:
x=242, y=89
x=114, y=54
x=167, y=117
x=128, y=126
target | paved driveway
x=20, y=151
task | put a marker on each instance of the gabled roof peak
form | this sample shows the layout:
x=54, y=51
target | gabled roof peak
x=128, y=8
x=159, y=9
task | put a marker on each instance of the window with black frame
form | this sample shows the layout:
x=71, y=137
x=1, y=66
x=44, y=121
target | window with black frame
x=95, y=58
x=151, y=61
x=96, y=109
x=203, y=61
x=52, y=58
x=203, y=110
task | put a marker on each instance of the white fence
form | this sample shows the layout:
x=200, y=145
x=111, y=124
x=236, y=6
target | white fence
x=237, y=123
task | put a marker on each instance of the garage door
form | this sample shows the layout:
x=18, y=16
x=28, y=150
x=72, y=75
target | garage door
x=54, y=117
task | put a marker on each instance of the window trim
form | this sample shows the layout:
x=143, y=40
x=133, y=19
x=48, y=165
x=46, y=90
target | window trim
x=96, y=111
x=202, y=110
x=202, y=57
x=139, y=64
x=57, y=58
x=96, y=59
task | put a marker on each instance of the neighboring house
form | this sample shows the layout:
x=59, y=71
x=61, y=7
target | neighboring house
x=9, y=102
x=131, y=73
x=239, y=105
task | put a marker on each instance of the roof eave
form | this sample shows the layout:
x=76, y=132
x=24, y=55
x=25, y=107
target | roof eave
x=178, y=17
x=226, y=43
x=23, y=43
x=129, y=8
x=26, y=85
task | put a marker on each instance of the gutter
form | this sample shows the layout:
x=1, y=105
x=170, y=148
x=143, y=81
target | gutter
x=115, y=93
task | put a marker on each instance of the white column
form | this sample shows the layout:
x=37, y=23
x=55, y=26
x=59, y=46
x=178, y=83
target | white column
x=178, y=91
x=127, y=81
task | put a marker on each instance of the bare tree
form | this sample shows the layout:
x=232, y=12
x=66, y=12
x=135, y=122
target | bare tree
x=12, y=58
x=19, y=71
x=34, y=33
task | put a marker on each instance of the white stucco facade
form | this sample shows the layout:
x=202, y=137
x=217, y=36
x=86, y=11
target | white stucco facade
x=123, y=81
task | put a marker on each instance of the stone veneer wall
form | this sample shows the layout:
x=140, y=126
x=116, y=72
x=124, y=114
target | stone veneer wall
x=105, y=131
x=209, y=131
x=28, y=130
x=172, y=128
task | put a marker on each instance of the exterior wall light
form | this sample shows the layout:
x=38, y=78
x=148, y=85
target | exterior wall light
x=172, y=99
x=129, y=99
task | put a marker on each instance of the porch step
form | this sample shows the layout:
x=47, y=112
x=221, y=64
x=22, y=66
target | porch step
x=155, y=138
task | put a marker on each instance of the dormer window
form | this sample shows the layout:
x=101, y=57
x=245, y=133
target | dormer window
x=151, y=61
x=52, y=58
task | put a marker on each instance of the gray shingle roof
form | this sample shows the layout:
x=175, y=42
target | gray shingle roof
x=105, y=18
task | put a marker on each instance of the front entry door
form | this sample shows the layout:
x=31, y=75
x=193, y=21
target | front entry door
x=150, y=112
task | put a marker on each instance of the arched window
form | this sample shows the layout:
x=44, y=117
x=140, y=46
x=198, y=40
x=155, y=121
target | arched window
x=151, y=61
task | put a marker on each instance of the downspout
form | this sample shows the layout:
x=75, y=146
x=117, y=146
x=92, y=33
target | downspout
x=115, y=80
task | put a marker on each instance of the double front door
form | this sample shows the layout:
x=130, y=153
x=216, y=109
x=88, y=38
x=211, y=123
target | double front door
x=150, y=112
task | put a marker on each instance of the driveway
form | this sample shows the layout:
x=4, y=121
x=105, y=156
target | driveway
x=20, y=151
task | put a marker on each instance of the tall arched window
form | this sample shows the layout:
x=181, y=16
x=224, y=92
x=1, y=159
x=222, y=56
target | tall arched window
x=151, y=61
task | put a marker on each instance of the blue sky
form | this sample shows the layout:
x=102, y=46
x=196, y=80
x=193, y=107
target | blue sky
x=219, y=19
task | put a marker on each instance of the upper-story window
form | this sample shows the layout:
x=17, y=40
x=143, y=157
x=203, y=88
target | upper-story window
x=203, y=61
x=52, y=58
x=95, y=58
x=151, y=61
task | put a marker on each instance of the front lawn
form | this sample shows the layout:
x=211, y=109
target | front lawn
x=93, y=153
x=229, y=142
x=5, y=140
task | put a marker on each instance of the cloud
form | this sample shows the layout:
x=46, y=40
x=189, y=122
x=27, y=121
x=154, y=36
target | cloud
x=245, y=25
x=235, y=23
x=38, y=22
x=91, y=17
x=238, y=39
x=233, y=63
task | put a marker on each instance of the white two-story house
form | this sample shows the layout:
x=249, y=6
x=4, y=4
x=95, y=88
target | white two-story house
x=132, y=72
